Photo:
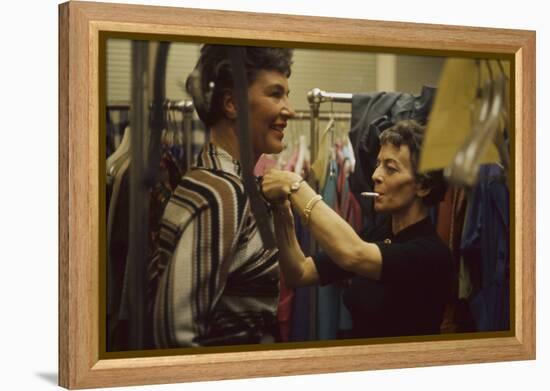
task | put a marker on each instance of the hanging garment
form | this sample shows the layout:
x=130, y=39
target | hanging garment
x=348, y=153
x=302, y=306
x=118, y=195
x=301, y=158
x=117, y=250
x=110, y=130
x=286, y=294
x=350, y=209
x=443, y=228
x=264, y=163
x=321, y=163
x=291, y=163
x=295, y=307
x=371, y=114
x=117, y=201
x=117, y=121
x=465, y=283
x=328, y=297
x=485, y=247
x=284, y=309
x=120, y=153
x=450, y=222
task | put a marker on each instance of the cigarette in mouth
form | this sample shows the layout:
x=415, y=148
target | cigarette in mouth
x=370, y=194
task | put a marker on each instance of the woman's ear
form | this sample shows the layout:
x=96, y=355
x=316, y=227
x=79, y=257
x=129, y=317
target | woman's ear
x=422, y=189
x=229, y=104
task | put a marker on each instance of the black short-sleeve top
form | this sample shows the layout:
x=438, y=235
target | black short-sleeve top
x=410, y=297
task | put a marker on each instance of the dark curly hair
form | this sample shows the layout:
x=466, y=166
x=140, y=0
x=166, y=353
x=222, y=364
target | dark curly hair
x=411, y=134
x=213, y=74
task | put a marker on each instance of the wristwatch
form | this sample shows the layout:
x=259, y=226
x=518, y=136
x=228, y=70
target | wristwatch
x=295, y=186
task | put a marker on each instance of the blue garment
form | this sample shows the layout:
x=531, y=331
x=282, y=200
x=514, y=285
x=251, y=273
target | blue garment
x=328, y=296
x=432, y=212
x=301, y=305
x=332, y=315
x=485, y=247
x=345, y=323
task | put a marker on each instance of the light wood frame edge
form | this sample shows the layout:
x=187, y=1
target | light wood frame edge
x=79, y=364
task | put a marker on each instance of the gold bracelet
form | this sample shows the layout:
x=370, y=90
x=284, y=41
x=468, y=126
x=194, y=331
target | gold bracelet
x=309, y=207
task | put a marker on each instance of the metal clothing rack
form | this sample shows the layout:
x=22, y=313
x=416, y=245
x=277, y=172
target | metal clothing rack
x=306, y=115
x=315, y=98
x=168, y=105
x=302, y=116
x=185, y=107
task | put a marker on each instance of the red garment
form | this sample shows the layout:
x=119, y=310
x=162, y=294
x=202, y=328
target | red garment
x=289, y=166
x=286, y=295
x=284, y=309
x=444, y=217
x=349, y=208
x=450, y=221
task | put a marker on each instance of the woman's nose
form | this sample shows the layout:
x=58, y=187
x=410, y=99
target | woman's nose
x=376, y=177
x=288, y=111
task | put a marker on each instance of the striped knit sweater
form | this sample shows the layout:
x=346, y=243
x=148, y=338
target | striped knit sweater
x=215, y=283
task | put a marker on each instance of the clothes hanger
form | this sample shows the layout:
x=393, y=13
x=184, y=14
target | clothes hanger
x=332, y=172
x=180, y=140
x=465, y=166
x=164, y=133
x=171, y=134
x=499, y=138
x=122, y=150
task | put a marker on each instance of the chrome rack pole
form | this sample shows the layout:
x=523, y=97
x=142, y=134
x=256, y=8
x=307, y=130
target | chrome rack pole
x=315, y=97
x=337, y=97
x=187, y=109
x=306, y=115
x=137, y=243
x=314, y=100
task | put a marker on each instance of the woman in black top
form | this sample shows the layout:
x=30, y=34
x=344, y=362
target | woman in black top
x=400, y=271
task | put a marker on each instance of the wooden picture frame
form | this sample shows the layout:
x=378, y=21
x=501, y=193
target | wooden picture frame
x=80, y=364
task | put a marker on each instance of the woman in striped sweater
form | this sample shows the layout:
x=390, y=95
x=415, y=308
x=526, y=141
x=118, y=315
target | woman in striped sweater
x=214, y=282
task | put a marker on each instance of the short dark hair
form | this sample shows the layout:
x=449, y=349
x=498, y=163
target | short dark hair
x=214, y=69
x=411, y=134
